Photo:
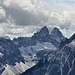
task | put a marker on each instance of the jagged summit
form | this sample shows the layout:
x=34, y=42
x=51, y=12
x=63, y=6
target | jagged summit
x=44, y=28
x=55, y=29
x=42, y=33
x=56, y=34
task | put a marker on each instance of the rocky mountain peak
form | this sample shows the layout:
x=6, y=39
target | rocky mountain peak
x=55, y=29
x=42, y=33
x=56, y=34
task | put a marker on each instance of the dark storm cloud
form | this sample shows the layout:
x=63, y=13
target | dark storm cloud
x=24, y=17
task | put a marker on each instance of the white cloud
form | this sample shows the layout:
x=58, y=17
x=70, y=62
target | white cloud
x=24, y=17
x=2, y=14
x=66, y=0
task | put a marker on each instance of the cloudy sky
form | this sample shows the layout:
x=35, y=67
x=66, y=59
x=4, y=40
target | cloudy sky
x=25, y=17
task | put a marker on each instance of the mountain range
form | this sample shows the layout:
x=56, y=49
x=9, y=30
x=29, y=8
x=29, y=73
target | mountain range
x=58, y=62
x=42, y=54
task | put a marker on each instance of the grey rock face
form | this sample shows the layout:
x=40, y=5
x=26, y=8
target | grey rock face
x=9, y=54
x=29, y=49
x=59, y=62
